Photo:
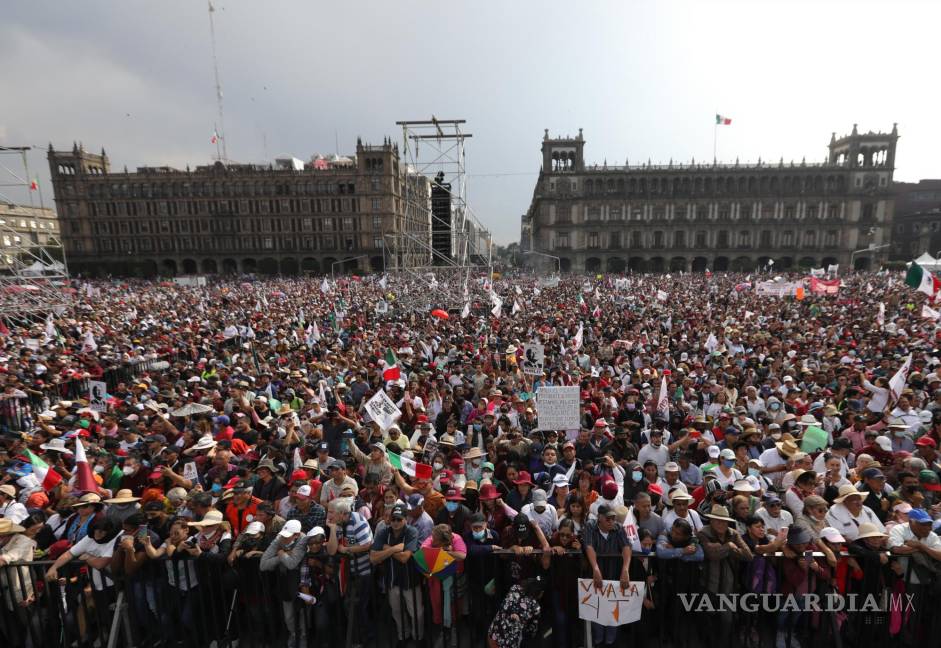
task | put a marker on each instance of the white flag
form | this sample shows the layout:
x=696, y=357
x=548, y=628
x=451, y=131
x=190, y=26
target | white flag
x=579, y=337
x=466, y=311
x=497, y=304
x=300, y=316
x=518, y=291
x=50, y=329
x=537, y=292
x=89, y=345
x=661, y=295
x=900, y=379
x=711, y=343
x=880, y=316
x=325, y=286
x=663, y=402
x=516, y=307
x=309, y=339
x=929, y=313
x=383, y=283
x=315, y=334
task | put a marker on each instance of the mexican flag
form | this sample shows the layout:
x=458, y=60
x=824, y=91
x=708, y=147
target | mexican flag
x=409, y=466
x=391, y=372
x=922, y=280
x=46, y=476
x=581, y=303
x=723, y=121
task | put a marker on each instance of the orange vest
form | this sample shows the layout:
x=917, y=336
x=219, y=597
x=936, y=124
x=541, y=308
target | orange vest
x=237, y=517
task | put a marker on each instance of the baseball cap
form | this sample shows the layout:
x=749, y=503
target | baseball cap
x=398, y=512
x=323, y=447
x=831, y=535
x=316, y=531
x=338, y=463
x=872, y=473
x=303, y=491
x=255, y=527
x=414, y=501
x=713, y=451
x=290, y=528
x=919, y=515
x=671, y=466
x=727, y=454
x=539, y=496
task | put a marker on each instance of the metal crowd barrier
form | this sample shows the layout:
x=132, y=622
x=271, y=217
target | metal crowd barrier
x=206, y=602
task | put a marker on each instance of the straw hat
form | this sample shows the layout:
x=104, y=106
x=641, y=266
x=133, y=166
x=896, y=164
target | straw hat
x=123, y=496
x=211, y=518
x=787, y=447
x=473, y=453
x=846, y=490
x=7, y=527
x=87, y=498
x=869, y=530
x=204, y=443
x=719, y=512
x=284, y=409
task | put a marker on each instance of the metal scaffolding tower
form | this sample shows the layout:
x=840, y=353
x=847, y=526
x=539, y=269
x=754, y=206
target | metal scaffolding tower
x=438, y=250
x=34, y=278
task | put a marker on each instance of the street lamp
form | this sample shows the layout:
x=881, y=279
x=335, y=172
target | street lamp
x=871, y=248
x=557, y=259
x=335, y=263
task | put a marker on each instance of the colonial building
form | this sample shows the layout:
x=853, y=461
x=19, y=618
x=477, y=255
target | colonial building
x=694, y=217
x=917, y=224
x=24, y=227
x=289, y=218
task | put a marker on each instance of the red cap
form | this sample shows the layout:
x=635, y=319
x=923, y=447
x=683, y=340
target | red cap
x=299, y=474
x=231, y=483
x=155, y=475
x=655, y=488
x=609, y=490
x=523, y=478
x=926, y=442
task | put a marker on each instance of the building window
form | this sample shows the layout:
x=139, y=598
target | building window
x=615, y=240
x=810, y=237
x=593, y=214
x=377, y=223
x=615, y=213
x=658, y=239
x=562, y=241
x=679, y=239
x=744, y=239
x=593, y=240
x=376, y=204
x=765, y=239
x=700, y=239
x=637, y=239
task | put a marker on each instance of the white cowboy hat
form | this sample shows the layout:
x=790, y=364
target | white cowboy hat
x=56, y=445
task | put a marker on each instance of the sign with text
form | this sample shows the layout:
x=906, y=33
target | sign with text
x=382, y=410
x=776, y=288
x=610, y=605
x=97, y=396
x=534, y=359
x=557, y=408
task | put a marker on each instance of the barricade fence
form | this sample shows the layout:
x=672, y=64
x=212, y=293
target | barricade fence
x=209, y=602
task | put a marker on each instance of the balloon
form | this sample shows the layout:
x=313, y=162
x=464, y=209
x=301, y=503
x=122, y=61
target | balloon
x=440, y=314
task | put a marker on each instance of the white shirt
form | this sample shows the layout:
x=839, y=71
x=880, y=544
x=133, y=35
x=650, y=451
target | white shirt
x=14, y=511
x=87, y=545
x=784, y=519
x=843, y=521
x=548, y=520
x=899, y=534
x=691, y=516
x=659, y=455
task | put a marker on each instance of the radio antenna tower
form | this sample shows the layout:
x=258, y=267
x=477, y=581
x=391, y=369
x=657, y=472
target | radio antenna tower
x=221, y=152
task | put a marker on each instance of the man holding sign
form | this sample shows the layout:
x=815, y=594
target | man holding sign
x=609, y=555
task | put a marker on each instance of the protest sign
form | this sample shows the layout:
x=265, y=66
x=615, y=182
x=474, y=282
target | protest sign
x=557, y=408
x=534, y=359
x=776, y=288
x=189, y=471
x=610, y=605
x=382, y=410
x=97, y=394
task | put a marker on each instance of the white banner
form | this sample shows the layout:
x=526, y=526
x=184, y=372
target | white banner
x=610, y=606
x=382, y=410
x=534, y=359
x=97, y=395
x=776, y=289
x=557, y=408
x=548, y=282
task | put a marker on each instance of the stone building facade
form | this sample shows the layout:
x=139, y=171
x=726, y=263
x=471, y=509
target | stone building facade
x=290, y=218
x=697, y=217
x=917, y=225
x=26, y=227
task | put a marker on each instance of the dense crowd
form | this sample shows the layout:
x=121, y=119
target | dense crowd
x=774, y=444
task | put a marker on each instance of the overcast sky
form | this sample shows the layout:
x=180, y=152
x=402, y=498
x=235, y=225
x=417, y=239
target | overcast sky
x=643, y=79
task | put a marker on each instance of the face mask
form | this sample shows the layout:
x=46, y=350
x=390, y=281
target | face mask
x=216, y=488
x=451, y=506
x=437, y=465
x=475, y=464
x=631, y=407
x=99, y=469
x=637, y=475
x=754, y=472
x=540, y=509
x=486, y=475
x=128, y=470
x=776, y=436
x=899, y=434
x=728, y=463
x=480, y=535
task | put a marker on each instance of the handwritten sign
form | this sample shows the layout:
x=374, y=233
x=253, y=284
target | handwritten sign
x=610, y=606
x=97, y=395
x=557, y=408
x=534, y=359
x=382, y=410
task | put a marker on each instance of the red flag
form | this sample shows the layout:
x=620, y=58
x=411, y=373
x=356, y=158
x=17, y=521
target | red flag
x=34, y=185
x=84, y=479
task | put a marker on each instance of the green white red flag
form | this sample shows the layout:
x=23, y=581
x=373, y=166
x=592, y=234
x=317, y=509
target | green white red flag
x=392, y=371
x=46, y=476
x=409, y=466
x=722, y=120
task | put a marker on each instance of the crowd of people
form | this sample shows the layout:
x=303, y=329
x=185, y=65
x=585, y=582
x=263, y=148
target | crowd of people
x=760, y=443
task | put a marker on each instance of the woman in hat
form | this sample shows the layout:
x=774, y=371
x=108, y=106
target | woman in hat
x=18, y=545
x=87, y=509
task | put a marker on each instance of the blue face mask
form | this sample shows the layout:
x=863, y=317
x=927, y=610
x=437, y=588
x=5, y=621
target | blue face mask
x=728, y=463
x=451, y=506
x=216, y=488
x=754, y=472
x=637, y=475
x=480, y=535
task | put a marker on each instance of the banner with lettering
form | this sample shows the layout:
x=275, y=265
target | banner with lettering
x=610, y=605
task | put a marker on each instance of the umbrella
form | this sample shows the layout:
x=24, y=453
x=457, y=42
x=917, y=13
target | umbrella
x=432, y=561
x=440, y=314
x=192, y=408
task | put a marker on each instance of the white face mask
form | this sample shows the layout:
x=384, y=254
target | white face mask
x=437, y=465
x=128, y=470
x=99, y=469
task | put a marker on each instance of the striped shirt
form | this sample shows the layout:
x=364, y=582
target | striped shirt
x=356, y=532
x=607, y=547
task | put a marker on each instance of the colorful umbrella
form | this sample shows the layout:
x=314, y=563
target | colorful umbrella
x=432, y=561
x=440, y=314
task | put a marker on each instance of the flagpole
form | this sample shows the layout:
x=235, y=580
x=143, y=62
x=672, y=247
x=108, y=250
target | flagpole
x=715, y=134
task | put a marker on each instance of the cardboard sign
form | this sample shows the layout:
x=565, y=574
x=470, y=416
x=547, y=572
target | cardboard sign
x=190, y=473
x=382, y=410
x=97, y=395
x=610, y=606
x=534, y=359
x=557, y=408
